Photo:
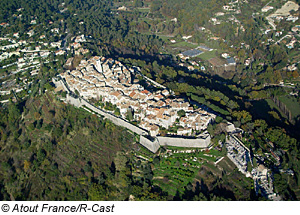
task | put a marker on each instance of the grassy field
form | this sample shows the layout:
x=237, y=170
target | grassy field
x=171, y=176
x=144, y=10
x=162, y=37
x=227, y=165
x=208, y=55
x=273, y=106
x=292, y=104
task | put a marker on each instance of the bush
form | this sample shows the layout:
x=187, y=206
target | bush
x=181, y=113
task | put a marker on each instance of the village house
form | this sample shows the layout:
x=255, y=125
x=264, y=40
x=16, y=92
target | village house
x=187, y=37
x=60, y=52
x=267, y=8
x=56, y=44
x=4, y=24
x=184, y=131
x=292, y=18
x=80, y=39
x=30, y=33
x=75, y=45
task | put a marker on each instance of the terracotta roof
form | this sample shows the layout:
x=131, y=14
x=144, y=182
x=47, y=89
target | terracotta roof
x=132, y=94
x=116, y=93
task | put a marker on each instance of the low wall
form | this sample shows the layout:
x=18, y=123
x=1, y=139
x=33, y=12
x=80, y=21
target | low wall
x=154, y=82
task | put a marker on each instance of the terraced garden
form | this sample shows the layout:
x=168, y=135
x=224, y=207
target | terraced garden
x=177, y=168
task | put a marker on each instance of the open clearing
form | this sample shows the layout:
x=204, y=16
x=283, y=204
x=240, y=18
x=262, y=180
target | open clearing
x=285, y=9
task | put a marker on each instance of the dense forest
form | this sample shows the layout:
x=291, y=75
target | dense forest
x=191, y=14
x=50, y=150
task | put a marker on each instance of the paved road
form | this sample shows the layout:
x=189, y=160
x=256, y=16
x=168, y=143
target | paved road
x=64, y=41
x=8, y=65
x=270, y=20
x=283, y=38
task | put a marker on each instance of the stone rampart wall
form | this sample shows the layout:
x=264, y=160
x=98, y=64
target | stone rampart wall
x=74, y=101
x=152, y=146
x=152, y=81
x=59, y=83
x=78, y=102
x=183, y=142
x=116, y=120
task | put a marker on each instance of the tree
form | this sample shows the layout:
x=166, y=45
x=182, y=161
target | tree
x=280, y=183
x=97, y=193
x=274, y=115
x=181, y=113
x=156, y=160
x=138, y=3
x=41, y=155
x=210, y=129
x=218, y=119
x=155, y=6
x=13, y=114
x=261, y=123
x=242, y=116
x=129, y=115
x=26, y=165
x=148, y=174
x=77, y=93
x=249, y=166
x=48, y=86
x=295, y=74
x=37, y=115
x=254, y=162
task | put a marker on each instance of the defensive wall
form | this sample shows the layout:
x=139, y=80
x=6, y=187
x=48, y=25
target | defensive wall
x=184, y=142
x=233, y=138
x=150, y=80
x=152, y=145
x=79, y=102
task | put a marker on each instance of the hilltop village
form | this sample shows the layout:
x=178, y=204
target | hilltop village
x=109, y=80
x=131, y=94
